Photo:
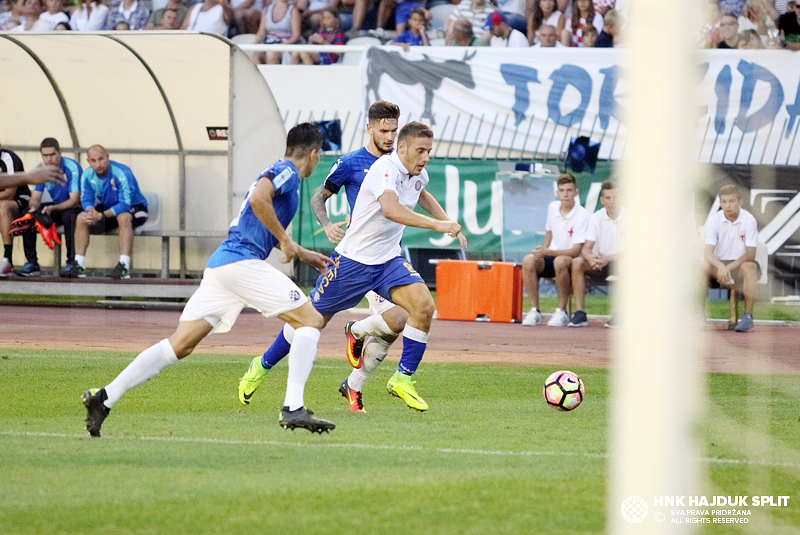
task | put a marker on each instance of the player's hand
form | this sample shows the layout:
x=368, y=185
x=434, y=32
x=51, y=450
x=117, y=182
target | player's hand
x=47, y=210
x=334, y=231
x=314, y=259
x=92, y=216
x=538, y=252
x=724, y=276
x=448, y=227
x=462, y=240
x=47, y=173
x=290, y=250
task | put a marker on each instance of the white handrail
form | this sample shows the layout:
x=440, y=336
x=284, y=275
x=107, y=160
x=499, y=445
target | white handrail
x=279, y=47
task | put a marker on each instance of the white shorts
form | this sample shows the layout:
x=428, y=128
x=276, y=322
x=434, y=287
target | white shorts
x=226, y=290
x=377, y=304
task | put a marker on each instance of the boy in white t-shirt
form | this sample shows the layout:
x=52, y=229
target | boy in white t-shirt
x=565, y=233
x=730, y=251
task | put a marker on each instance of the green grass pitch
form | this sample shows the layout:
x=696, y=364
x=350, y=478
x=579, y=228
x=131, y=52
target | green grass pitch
x=180, y=455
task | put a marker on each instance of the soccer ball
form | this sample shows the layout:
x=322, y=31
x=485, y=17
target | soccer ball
x=563, y=390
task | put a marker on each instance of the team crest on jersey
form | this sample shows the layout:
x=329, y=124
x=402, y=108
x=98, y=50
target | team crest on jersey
x=294, y=295
x=418, y=185
x=315, y=297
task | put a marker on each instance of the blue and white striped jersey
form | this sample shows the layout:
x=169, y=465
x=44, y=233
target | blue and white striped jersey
x=118, y=190
x=248, y=238
x=59, y=193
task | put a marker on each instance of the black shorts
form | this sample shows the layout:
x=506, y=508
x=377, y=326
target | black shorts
x=138, y=211
x=599, y=276
x=549, y=270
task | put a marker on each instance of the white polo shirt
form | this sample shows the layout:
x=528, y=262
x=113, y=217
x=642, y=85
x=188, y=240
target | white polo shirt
x=731, y=237
x=607, y=234
x=567, y=231
x=371, y=238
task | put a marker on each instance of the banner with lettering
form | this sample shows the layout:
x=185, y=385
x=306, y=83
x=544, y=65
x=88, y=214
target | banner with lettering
x=536, y=100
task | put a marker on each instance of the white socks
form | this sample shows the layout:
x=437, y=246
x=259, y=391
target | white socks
x=301, y=360
x=373, y=325
x=147, y=364
x=80, y=260
x=125, y=260
x=375, y=350
x=288, y=332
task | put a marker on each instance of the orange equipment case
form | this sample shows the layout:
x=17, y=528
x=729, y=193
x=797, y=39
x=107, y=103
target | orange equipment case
x=483, y=291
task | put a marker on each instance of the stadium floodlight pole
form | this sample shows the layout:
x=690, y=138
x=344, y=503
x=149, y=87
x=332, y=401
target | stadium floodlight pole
x=656, y=368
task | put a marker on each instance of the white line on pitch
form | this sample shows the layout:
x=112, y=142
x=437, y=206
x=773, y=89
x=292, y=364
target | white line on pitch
x=463, y=451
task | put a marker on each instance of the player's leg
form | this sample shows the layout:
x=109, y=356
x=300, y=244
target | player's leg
x=82, y=233
x=8, y=213
x=125, y=243
x=532, y=269
x=749, y=274
x=580, y=267
x=561, y=267
x=31, y=267
x=67, y=218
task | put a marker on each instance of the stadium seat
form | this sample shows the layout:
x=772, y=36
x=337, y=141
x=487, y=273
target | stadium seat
x=438, y=42
x=244, y=39
x=354, y=58
x=439, y=16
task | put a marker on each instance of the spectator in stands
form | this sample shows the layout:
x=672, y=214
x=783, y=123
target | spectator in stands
x=589, y=37
x=709, y=32
x=13, y=203
x=761, y=16
x=170, y=20
x=31, y=10
x=62, y=26
x=565, y=234
x=111, y=199
x=55, y=13
x=12, y=16
x=122, y=26
x=750, y=39
x=500, y=34
x=415, y=35
x=280, y=23
x=583, y=15
x=213, y=16
x=352, y=13
x=543, y=12
x=245, y=16
x=612, y=23
x=476, y=11
x=64, y=205
x=311, y=14
x=461, y=34
x=402, y=10
x=548, y=37
x=156, y=22
x=730, y=250
x=514, y=11
x=790, y=6
x=330, y=33
x=603, y=6
x=789, y=25
x=734, y=7
x=599, y=253
x=89, y=16
x=133, y=12
x=729, y=31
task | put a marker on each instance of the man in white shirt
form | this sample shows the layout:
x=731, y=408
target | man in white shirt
x=730, y=250
x=548, y=38
x=54, y=15
x=604, y=239
x=503, y=35
x=565, y=234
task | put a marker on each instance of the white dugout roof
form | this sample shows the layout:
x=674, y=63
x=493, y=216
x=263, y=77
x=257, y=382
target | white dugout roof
x=149, y=98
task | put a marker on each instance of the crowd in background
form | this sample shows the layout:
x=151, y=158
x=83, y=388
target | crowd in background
x=506, y=23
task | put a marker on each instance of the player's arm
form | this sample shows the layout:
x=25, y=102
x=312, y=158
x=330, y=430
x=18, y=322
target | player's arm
x=40, y=175
x=394, y=211
x=7, y=194
x=573, y=251
x=261, y=203
x=332, y=230
x=432, y=206
x=748, y=256
x=540, y=251
x=723, y=273
x=35, y=201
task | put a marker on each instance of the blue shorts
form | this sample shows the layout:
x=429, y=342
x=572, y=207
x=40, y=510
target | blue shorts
x=403, y=11
x=345, y=283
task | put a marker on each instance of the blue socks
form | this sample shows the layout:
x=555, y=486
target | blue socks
x=414, y=344
x=279, y=349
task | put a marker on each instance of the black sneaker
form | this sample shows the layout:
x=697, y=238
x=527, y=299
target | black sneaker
x=96, y=412
x=304, y=418
x=579, y=319
x=70, y=270
x=119, y=272
x=30, y=269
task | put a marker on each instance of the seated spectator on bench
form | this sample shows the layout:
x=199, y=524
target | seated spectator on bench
x=157, y=21
x=543, y=12
x=415, y=35
x=548, y=38
x=31, y=10
x=330, y=33
x=589, y=37
x=89, y=16
x=730, y=250
x=475, y=11
x=55, y=14
x=213, y=16
x=729, y=31
x=583, y=15
x=402, y=12
x=612, y=23
x=111, y=199
x=13, y=203
x=461, y=34
x=11, y=18
x=605, y=233
x=280, y=23
x=64, y=205
x=501, y=34
x=132, y=12
x=789, y=26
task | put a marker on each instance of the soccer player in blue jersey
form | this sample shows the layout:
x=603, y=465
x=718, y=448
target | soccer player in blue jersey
x=110, y=198
x=64, y=204
x=237, y=276
x=369, y=255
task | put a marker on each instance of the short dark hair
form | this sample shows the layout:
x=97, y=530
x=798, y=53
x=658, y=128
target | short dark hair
x=302, y=139
x=381, y=109
x=419, y=11
x=414, y=129
x=607, y=184
x=49, y=142
x=731, y=189
x=567, y=178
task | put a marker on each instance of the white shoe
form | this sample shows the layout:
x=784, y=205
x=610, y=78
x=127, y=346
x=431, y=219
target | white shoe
x=559, y=319
x=6, y=269
x=532, y=318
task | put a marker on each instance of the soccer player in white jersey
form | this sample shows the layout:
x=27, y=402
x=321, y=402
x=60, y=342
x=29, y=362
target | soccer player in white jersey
x=606, y=235
x=565, y=233
x=369, y=255
x=237, y=276
x=368, y=340
x=730, y=250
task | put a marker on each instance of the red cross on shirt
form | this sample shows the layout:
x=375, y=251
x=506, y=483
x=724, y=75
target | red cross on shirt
x=742, y=237
x=570, y=233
